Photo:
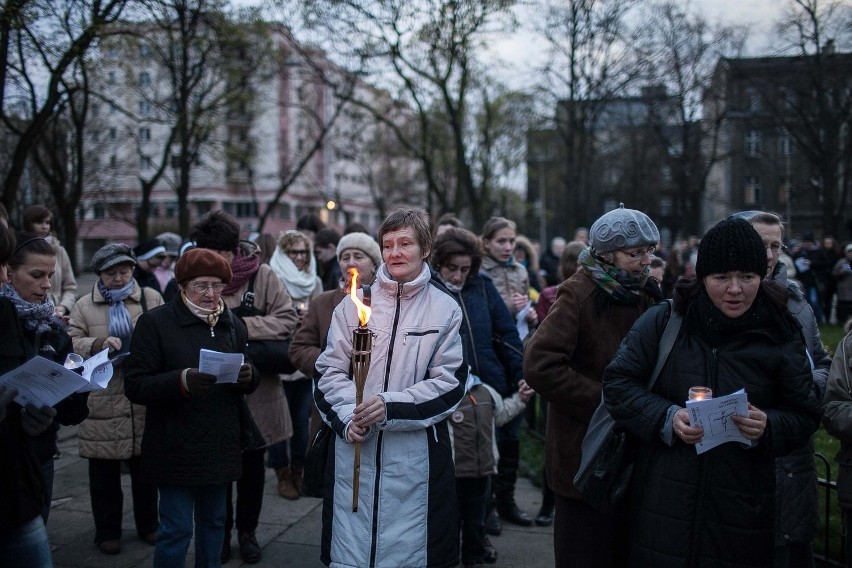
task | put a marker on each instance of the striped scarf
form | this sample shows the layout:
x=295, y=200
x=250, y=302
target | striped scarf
x=120, y=322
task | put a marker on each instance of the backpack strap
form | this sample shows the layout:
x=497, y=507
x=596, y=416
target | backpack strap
x=143, y=301
x=667, y=341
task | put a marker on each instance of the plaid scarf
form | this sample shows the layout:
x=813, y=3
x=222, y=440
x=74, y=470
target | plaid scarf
x=37, y=318
x=623, y=287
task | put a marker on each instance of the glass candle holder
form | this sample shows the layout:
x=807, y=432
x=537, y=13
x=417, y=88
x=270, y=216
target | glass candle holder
x=700, y=393
x=73, y=361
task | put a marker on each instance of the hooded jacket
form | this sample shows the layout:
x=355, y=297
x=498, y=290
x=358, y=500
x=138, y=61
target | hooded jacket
x=407, y=507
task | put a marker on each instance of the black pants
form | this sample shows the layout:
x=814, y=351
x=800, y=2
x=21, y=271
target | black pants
x=471, y=495
x=108, y=499
x=249, y=494
x=586, y=538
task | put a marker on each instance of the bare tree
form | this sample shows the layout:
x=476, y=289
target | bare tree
x=816, y=109
x=41, y=41
x=428, y=50
x=683, y=49
x=590, y=60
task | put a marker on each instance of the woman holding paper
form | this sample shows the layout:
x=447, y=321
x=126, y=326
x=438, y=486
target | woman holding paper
x=31, y=267
x=193, y=426
x=104, y=319
x=715, y=508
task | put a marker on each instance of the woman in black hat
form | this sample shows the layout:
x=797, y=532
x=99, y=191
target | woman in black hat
x=104, y=319
x=714, y=508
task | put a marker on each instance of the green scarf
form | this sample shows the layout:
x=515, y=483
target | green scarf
x=621, y=286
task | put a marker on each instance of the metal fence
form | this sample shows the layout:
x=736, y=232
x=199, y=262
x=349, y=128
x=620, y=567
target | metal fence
x=829, y=544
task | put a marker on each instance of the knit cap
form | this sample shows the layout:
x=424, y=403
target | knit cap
x=149, y=249
x=731, y=245
x=622, y=229
x=363, y=242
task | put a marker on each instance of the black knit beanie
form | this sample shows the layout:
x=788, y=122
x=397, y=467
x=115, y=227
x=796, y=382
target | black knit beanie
x=731, y=245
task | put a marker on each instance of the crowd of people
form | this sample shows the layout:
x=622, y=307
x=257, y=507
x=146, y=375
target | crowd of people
x=471, y=336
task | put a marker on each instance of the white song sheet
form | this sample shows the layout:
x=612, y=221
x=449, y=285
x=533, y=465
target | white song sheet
x=42, y=382
x=714, y=415
x=226, y=366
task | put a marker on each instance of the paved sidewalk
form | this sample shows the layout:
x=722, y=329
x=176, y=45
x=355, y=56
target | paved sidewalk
x=289, y=531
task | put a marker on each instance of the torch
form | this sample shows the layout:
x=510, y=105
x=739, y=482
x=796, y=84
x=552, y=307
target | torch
x=362, y=349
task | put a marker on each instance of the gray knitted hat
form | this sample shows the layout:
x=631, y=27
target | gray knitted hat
x=112, y=254
x=172, y=242
x=623, y=228
x=363, y=242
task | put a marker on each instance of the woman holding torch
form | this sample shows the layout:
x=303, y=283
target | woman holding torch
x=416, y=372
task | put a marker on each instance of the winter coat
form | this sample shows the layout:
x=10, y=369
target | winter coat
x=305, y=301
x=63, y=285
x=716, y=508
x=267, y=404
x=564, y=361
x=796, y=491
x=842, y=273
x=837, y=416
x=113, y=430
x=407, y=507
x=492, y=346
x=508, y=279
x=21, y=481
x=189, y=440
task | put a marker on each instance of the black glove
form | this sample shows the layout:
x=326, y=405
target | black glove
x=244, y=377
x=198, y=383
x=35, y=420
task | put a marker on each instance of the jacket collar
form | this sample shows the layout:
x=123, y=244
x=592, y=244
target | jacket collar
x=390, y=287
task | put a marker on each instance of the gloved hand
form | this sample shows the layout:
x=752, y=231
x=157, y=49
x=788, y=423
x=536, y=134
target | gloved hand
x=35, y=420
x=198, y=383
x=244, y=377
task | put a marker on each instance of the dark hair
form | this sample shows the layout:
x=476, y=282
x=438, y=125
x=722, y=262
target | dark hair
x=216, y=231
x=495, y=224
x=309, y=222
x=29, y=243
x=522, y=242
x=455, y=242
x=568, y=259
x=7, y=243
x=325, y=237
x=416, y=219
x=355, y=227
x=34, y=214
x=266, y=244
x=450, y=220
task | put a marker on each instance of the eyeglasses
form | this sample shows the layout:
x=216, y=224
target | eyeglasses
x=775, y=248
x=202, y=287
x=298, y=252
x=638, y=254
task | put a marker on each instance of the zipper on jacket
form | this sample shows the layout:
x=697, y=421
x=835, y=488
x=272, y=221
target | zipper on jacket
x=469, y=333
x=374, y=530
x=417, y=334
x=705, y=465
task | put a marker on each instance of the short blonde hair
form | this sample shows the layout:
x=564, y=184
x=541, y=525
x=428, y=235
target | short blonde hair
x=288, y=239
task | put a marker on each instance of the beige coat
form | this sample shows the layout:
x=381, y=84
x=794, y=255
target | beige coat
x=267, y=404
x=114, y=427
x=63, y=285
x=508, y=280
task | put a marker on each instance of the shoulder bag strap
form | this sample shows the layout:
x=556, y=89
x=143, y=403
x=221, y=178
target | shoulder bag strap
x=143, y=301
x=667, y=341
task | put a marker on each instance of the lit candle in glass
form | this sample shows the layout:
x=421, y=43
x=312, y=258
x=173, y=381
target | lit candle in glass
x=700, y=393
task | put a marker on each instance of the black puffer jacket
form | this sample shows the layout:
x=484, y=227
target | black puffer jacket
x=189, y=440
x=717, y=508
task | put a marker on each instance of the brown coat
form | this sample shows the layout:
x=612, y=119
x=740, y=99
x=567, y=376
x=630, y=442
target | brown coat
x=564, y=361
x=267, y=404
x=113, y=430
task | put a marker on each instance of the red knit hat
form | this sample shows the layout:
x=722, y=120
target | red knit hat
x=202, y=262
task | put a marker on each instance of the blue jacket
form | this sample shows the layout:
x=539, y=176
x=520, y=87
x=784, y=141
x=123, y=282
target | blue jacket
x=492, y=345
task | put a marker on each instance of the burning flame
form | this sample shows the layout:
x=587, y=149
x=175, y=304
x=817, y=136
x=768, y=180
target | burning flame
x=364, y=310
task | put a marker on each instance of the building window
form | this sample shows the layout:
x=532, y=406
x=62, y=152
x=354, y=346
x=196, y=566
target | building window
x=144, y=134
x=145, y=162
x=284, y=211
x=98, y=211
x=753, y=100
x=144, y=52
x=785, y=188
x=202, y=208
x=785, y=144
x=96, y=109
x=96, y=136
x=144, y=108
x=144, y=79
x=111, y=78
x=666, y=205
x=753, y=143
x=170, y=210
x=113, y=161
x=245, y=209
x=112, y=133
x=751, y=191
